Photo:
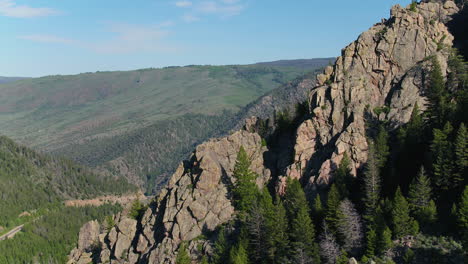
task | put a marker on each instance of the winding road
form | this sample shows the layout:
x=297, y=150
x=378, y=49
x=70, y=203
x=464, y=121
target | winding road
x=11, y=233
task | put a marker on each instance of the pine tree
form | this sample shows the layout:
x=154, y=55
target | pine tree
x=371, y=242
x=204, y=260
x=343, y=176
x=182, y=256
x=221, y=248
x=381, y=147
x=384, y=241
x=245, y=189
x=443, y=160
x=437, y=96
x=277, y=233
x=462, y=216
x=343, y=258
x=350, y=230
x=303, y=237
x=403, y=223
x=318, y=211
x=331, y=213
x=238, y=254
x=419, y=198
x=461, y=156
x=294, y=198
x=136, y=209
x=371, y=184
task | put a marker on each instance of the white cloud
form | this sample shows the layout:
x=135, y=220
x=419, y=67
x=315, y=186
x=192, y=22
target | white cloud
x=230, y=2
x=183, y=4
x=46, y=38
x=124, y=39
x=10, y=9
x=133, y=38
x=190, y=18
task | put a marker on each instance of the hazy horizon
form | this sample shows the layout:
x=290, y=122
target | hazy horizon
x=46, y=37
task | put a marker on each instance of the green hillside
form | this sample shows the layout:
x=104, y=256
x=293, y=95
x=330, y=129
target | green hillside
x=138, y=124
x=54, y=111
x=30, y=181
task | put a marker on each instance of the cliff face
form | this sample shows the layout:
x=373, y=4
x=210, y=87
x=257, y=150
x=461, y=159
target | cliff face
x=380, y=76
x=196, y=200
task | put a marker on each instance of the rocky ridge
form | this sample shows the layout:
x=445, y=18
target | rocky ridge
x=196, y=200
x=380, y=76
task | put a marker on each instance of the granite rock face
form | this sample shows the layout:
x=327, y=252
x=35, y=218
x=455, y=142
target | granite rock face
x=379, y=76
x=196, y=200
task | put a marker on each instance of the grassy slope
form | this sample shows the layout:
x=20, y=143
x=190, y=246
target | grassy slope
x=52, y=112
x=139, y=124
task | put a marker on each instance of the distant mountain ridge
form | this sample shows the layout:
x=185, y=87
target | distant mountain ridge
x=136, y=123
x=10, y=79
x=304, y=64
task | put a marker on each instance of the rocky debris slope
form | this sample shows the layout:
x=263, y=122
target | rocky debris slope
x=196, y=200
x=378, y=77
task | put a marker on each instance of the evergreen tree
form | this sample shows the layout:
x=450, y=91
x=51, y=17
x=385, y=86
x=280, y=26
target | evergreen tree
x=371, y=184
x=381, y=147
x=343, y=176
x=442, y=156
x=182, y=256
x=277, y=233
x=384, y=241
x=331, y=214
x=462, y=216
x=419, y=198
x=136, y=209
x=303, y=237
x=238, y=254
x=461, y=156
x=371, y=242
x=437, y=96
x=245, y=189
x=318, y=211
x=343, y=258
x=221, y=248
x=294, y=198
x=403, y=223
x=204, y=260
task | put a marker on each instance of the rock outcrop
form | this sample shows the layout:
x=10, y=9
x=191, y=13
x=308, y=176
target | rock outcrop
x=196, y=200
x=379, y=76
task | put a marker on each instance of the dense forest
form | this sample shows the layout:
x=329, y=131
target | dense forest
x=49, y=238
x=412, y=191
x=30, y=181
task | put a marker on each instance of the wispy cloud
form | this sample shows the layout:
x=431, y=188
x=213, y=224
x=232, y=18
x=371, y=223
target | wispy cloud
x=134, y=38
x=220, y=8
x=190, y=18
x=183, y=4
x=10, y=9
x=124, y=39
x=46, y=39
x=223, y=8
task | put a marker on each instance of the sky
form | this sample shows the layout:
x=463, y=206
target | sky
x=49, y=37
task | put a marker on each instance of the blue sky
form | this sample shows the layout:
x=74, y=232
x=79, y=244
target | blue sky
x=47, y=37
